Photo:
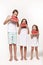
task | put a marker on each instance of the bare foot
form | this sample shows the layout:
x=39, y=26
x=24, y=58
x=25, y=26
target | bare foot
x=31, y=58
x=25, y=58
x=37, y=58
x=10, y=59
x=15, y=59
x=21, y=58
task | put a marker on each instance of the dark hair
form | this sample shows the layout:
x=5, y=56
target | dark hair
x=36, y=27
x=15, y=11
x=25, y=20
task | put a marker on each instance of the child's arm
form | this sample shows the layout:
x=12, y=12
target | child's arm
x=31, y=35
x=38, y=35
x=17, y=24
x=7, y=20
x=28, y=29
x=19, y=30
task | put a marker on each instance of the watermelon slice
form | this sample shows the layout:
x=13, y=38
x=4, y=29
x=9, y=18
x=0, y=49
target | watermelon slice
x=34, y=32
x=23, y=25
x=14, y=19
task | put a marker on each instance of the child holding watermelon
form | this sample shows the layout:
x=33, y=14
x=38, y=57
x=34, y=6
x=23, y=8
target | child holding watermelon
x=34, y=38
x=23, y=31
x=12, y=32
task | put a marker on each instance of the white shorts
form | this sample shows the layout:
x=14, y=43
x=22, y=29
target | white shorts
x=12, y=38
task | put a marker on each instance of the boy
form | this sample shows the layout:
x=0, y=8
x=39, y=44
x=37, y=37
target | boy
x=12, y=33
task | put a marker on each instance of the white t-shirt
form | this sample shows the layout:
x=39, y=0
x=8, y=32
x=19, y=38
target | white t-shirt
x=12, y=27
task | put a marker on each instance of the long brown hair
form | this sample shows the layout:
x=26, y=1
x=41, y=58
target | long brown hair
x=25, y=20
x=36, y=27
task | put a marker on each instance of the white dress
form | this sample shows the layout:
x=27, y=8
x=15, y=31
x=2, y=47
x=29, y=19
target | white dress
x=34, y=42
x=23, y=37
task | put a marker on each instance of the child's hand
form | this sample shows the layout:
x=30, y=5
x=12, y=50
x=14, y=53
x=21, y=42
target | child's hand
x=7, y=20
x=14, y=19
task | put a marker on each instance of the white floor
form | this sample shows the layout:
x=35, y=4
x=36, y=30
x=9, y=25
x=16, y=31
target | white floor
x=4, y=58
x=4, y=61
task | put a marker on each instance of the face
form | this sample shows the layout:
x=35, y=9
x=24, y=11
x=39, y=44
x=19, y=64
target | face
x=24, y=21
x=15, y=14
x=34, y=28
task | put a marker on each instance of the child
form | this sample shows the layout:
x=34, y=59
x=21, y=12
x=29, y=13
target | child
x=12, y=32
x=34, y=37
x=23, y=31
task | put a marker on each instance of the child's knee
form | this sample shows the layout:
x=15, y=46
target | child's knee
x=25, y=47
x=32, y=48
x=10, y=44
x=35, y=48
x=21, y=46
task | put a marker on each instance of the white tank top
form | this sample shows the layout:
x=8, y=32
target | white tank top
x=12, y=27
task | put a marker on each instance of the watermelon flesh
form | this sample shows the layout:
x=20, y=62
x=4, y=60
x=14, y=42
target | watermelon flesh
x=34, y=32
x=14, y=19
x=23, y=25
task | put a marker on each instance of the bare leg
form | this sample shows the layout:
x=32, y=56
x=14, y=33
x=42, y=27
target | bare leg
x=25, y=52
x=32, y=49
x=36, y=49
x=15, y=50
x=21, y=52
x=10, y=50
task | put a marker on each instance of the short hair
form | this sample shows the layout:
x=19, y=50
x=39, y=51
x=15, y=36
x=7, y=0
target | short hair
x=15, y=11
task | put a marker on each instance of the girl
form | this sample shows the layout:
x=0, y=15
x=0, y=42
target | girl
x=23, y=31
x=34, y=38
x=12, y=32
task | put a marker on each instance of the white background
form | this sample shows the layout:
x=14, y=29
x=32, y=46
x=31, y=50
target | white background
x=32, y=10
